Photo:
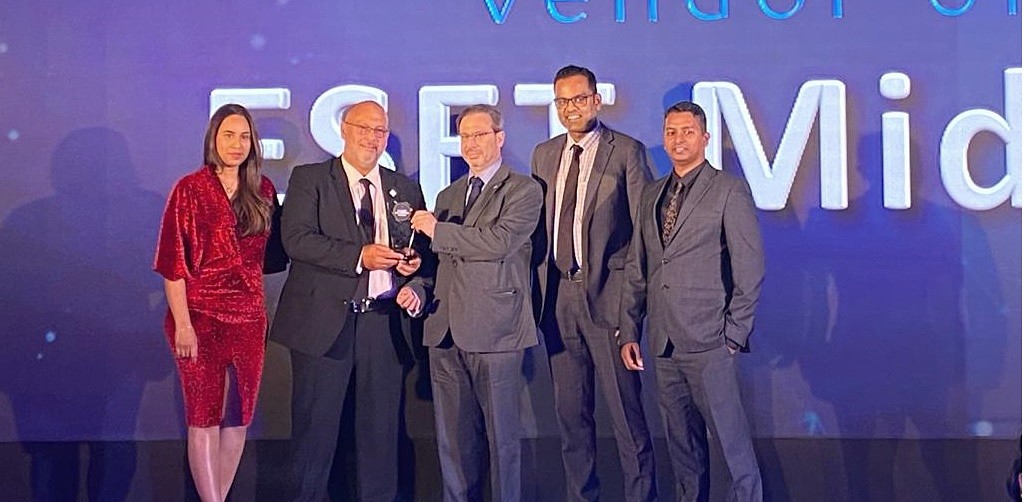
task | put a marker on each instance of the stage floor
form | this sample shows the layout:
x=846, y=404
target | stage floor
x=793, y=470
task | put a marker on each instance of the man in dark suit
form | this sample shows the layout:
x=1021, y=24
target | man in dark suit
x=338, y=312
x=695, y=269
x=483, y=320
x=593, y=178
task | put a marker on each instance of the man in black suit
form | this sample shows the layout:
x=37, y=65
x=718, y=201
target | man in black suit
x=695, y=269
x=338, y=312
x=483, y=320
x=593, y=178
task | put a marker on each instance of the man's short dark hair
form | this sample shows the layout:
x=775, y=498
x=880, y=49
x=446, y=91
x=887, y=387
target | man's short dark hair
x=690, y=107
x=497, y=122
x=573, y=70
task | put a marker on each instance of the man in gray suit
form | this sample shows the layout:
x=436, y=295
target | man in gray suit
x=593, y=178
x=695, y=269
x=483, y=320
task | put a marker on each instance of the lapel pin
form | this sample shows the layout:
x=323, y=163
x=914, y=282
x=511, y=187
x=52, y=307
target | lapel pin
x=393, y=193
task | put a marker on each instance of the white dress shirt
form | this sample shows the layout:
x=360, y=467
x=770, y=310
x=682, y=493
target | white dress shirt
x=485, y=175
x=382, y=282
x=589, y=142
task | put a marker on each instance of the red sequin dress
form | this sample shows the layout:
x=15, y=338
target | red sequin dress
x=223, y=275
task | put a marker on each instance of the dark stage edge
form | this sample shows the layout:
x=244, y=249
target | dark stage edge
x=793, y=470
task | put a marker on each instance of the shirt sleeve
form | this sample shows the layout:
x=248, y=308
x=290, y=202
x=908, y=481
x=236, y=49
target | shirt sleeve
x=177, y=249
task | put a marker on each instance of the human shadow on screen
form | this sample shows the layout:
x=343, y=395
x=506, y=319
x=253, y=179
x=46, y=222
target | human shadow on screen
x=80, y=319
x=886, y=341
x=778, y=315
x=780, y=319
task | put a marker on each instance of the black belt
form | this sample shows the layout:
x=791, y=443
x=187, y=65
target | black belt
x=370, y=305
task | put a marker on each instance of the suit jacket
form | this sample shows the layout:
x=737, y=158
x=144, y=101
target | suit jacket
x=617, y=180
x=482, y=285
x=702, y=286
x=320, y=235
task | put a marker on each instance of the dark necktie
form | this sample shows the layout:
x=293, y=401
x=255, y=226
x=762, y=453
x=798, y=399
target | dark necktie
x=672, y=212
x=475, y=184
x=366, y=223
x=565, y=257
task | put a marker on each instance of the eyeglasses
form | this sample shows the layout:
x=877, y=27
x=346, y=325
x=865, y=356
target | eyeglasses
x=578, y=100
x=378, y=132
x=477, y=136
x=689, y=132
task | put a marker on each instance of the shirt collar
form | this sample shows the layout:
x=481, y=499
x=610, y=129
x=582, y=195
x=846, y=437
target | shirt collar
x=688, y=179
x=587, y=140
x=487, y=173
x=354, y=175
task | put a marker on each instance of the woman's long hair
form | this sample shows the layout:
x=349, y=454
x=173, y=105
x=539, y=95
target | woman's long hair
x=252, y=211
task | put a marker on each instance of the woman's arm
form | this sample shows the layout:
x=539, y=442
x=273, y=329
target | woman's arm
x=185, y=343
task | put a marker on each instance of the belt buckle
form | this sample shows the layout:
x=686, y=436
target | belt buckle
x=360, y=306
x=576, y=276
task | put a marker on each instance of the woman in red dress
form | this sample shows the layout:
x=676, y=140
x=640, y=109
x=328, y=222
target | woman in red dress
x=211, y=254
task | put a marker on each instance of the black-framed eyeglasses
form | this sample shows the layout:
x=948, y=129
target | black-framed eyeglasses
x=476, y=136
x=379, y=132
x=578, y=100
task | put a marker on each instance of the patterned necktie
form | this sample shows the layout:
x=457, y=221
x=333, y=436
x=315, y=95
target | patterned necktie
x=672, y=213
x=475, y=184
x=366, y=221
x=565, y=256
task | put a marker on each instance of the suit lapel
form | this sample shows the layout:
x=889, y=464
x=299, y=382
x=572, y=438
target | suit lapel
x=655, y=229
x=550, y=163
x=605, y=147
x=693, y=197
x=486, y=196
x=344, y=194
x=452, y=201
x=391, y=196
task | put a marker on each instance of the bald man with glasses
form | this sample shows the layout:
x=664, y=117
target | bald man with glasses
x=344, y=309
